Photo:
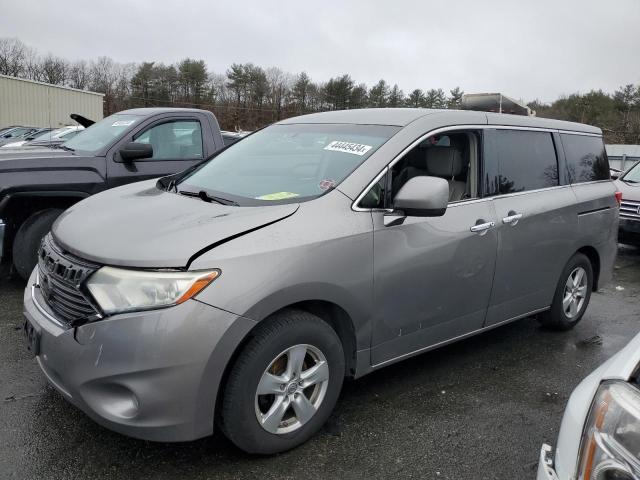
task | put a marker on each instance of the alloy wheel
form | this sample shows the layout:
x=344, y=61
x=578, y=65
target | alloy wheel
x=575, y=292
x=291, y=389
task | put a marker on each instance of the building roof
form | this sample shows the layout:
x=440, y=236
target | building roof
x=9, y=77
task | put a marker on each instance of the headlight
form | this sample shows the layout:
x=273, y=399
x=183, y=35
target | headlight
x=117, y=290
x=611, y=440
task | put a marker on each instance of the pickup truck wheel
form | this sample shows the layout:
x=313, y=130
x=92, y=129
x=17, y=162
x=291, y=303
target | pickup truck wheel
x=572, y=296
x=284, y=383
x=28, y=238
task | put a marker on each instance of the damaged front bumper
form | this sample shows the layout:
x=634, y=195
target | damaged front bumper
x=545, y=465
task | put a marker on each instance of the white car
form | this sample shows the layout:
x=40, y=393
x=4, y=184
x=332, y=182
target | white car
x=600, y=433
x=60, y=134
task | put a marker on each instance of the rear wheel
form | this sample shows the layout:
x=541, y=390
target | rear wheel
x=27, y=240
x=284, y=384
x=572, y=296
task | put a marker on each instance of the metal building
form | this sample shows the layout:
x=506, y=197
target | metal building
x=38, y=104
x=623, y=157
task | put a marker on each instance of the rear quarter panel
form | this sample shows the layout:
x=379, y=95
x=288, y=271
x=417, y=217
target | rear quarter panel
x=597, y=212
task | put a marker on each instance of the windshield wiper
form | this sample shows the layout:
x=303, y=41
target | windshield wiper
x=64, y=147
x=205, y=197
x=629, y=181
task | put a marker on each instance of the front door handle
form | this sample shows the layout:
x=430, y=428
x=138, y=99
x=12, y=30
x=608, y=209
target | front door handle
x=512, y=218
x=482, y=228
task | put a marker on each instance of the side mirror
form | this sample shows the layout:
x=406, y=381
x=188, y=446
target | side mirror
x=420, y=197
x=136, y=151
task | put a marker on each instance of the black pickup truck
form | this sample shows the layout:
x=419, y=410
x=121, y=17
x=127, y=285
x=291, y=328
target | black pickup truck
x=37, y=185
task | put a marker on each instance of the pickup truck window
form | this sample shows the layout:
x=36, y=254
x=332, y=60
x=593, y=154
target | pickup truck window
x=287, y=163
x=102, y=133
x=174, y=140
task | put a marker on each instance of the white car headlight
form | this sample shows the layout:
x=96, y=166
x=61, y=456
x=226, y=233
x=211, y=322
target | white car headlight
x=611, y=440
x=118, y=290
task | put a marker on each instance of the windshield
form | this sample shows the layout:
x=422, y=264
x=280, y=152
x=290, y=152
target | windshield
x=633, y=175
x=17, y=132
x=287, y=163
x=102, y=133
x=41, y=134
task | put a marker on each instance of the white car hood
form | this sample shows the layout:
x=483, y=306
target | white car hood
x=619, y=367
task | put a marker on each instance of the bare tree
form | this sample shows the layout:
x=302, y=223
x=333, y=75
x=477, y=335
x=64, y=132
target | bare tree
x=12, y=56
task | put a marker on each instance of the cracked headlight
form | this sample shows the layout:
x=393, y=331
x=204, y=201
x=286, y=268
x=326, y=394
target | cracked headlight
x=118, y=290
x=611, y=440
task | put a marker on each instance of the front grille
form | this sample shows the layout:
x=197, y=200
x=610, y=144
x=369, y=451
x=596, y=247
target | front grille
x=60, y=277
x=630, y=209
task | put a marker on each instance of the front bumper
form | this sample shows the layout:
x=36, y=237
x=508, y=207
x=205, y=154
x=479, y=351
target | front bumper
x=629, y=231
x=3, y=228
x=545, y=465
x=151, y=375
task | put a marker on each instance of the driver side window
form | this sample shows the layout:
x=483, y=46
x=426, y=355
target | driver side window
x=174, y=140
x=452, y=156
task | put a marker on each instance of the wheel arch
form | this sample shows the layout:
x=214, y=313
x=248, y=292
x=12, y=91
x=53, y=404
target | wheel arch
x=332, y=313
x=16, y=208
x=594, y=257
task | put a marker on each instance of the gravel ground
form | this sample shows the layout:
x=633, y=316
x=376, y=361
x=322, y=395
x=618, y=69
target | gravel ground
x=478, y=409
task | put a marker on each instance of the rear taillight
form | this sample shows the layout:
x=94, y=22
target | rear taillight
x=618, y=197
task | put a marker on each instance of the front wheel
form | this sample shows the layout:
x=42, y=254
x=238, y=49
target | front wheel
x=572, y=296
x=284, y=383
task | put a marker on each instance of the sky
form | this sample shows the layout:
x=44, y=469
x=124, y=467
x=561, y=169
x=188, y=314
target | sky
x=536, y=49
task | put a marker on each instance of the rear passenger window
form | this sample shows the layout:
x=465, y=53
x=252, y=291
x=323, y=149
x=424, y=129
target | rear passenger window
x=517, y=161
x=586, y=158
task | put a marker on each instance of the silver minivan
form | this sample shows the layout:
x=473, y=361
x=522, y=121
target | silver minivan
x=241, y=292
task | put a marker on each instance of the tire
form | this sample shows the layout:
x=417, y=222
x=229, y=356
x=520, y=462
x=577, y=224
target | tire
x=27, y=240
x=561, y=315
x=274, y=346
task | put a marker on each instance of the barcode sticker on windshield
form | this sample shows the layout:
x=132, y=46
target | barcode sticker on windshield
x=122, y=123
x=348, y=147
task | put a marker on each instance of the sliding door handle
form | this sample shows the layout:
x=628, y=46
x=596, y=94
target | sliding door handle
x=512, y=219
x=482, y=228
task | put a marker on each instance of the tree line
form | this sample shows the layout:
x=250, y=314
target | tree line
x=248, y=96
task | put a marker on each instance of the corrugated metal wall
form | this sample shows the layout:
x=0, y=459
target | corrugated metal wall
x=24, y=102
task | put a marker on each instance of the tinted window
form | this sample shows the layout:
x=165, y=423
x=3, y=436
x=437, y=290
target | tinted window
x=517, y=161
x=179, y=140
x=586, y=158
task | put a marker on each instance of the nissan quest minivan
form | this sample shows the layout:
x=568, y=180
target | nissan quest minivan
x=241, y=292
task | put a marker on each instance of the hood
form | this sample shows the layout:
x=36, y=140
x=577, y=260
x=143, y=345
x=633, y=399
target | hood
x=85, y=122
x=624, y=363
x=630, y=191
x=19, y=153
x=139, y=225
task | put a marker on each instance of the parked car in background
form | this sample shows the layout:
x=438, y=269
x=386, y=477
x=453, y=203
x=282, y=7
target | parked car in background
x=245, y=288
x=48, y=139
x=615, y=173
x=19, y=141
x=629, y=185
x=4, y=130
x=38, y=184
x=600, y=434
x=15, y=133
x=232, y=137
